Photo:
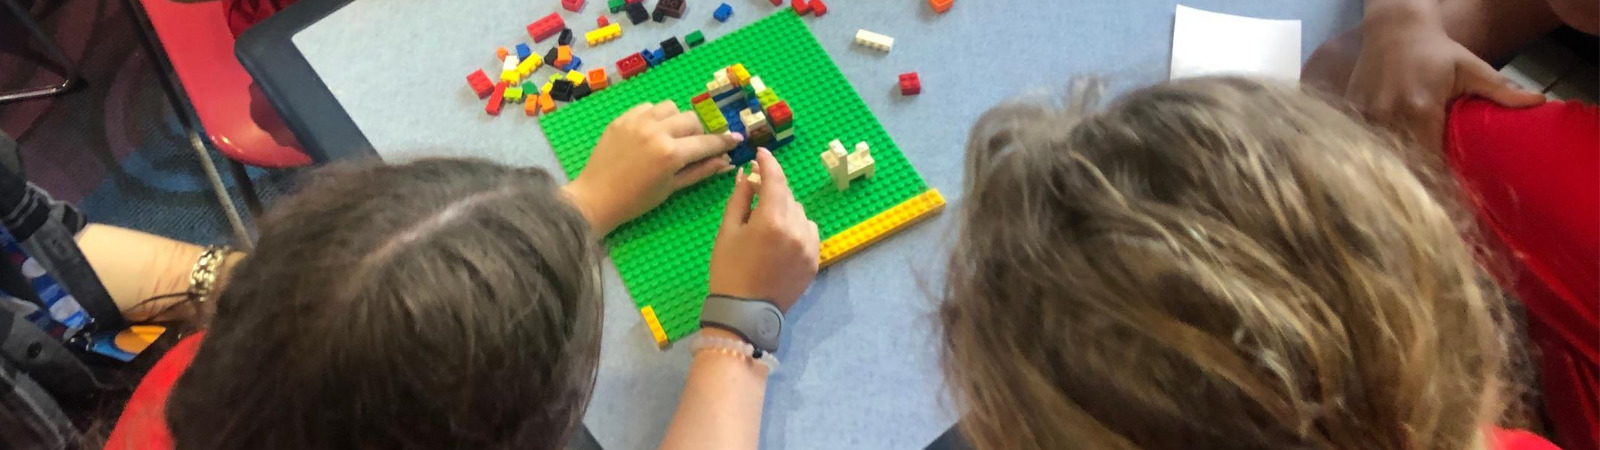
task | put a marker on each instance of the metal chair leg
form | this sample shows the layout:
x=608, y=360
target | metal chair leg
x=191, y=124
x=53, y=51
x=240, y=234
x=252, y=199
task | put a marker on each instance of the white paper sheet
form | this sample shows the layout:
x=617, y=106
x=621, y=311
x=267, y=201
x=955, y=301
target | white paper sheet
x=1210, y=43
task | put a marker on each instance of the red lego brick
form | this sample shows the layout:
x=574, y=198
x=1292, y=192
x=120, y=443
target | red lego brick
x=940, y=6
x=542, y=29
x=572, y=5
x=777, y=2
x=819, y=8
x=496, y=100
x=910, y=84
x=632, y=65
x=480, y=82
x=700, y=98
x=779, y=114
x=801, y=7
x=602, y=21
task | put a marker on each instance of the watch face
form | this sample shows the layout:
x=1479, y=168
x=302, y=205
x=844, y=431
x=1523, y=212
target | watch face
x=769, y=325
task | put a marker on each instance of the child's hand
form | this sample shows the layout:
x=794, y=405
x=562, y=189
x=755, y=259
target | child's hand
x=770, y=252
x=1409, y=70
x=645, y=155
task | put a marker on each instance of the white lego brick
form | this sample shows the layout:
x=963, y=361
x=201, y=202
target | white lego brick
x=874, y=40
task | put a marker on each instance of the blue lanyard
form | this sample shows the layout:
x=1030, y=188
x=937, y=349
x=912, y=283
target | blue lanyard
x=57, y=313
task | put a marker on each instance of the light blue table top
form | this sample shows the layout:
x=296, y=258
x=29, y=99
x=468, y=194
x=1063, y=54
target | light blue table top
x=860, y=356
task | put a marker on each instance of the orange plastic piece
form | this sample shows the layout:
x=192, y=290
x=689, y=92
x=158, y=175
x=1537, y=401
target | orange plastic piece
x=500, y=53
x=546, y=102
x=597, y=79
x=656, y=332
x=530, y=106
x=563, y=56
x=889, y=222
x=940, y=6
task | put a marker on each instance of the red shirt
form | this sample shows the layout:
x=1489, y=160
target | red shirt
x=143, y=425
x=1533, y=175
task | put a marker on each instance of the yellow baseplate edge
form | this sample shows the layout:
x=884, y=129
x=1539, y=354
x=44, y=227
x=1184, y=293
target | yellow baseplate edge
x=656, y=332
x=874, y=229
x=847, y=242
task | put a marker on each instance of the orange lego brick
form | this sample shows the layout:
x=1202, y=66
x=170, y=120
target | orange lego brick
x=597, y=79
x=940, y=6
x=874, y=229
x=500, y=53
x=563, y=56
x=530, y=106
x=546, y=102
x=656, y=332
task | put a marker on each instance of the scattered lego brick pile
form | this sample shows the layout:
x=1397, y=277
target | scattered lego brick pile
x=736, y=101
x=568, y=84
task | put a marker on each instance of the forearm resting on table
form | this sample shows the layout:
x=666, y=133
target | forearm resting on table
x=721, y=403
x=135, y=267
x=1491, y=29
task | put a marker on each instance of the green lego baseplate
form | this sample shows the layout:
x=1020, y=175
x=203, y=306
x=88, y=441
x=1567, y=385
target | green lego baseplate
x=663, y=256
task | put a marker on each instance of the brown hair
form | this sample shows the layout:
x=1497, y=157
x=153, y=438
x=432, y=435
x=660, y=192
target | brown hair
x=437, y=304
x=1215, y=263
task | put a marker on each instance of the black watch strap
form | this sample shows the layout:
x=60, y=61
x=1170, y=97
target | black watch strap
x=758, y=321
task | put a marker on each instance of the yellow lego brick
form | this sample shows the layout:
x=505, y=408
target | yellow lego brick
x=557, y=76
x=603, y=34
x=889, y=222
x=656, y=332
x=527, y=66
x=575, y=77
x=738, y=75
x=510, y=77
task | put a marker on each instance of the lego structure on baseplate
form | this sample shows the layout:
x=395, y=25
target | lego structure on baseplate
x=663, y=256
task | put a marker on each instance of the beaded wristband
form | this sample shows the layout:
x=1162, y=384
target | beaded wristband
x=733, y=347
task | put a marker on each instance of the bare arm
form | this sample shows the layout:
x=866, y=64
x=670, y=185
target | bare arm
x=765, y=252
x=1407, y=61
x=721, y=403
x=135, y=266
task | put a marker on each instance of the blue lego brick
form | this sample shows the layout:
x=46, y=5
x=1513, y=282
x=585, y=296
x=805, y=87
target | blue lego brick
x=722, y=13
x=523, y=52
x=575, y=64
x=654, y=58
x=742, y=154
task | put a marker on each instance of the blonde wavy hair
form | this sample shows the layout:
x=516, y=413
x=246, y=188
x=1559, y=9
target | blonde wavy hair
x=1214, y=263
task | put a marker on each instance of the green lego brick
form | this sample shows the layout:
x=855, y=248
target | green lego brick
x=616, y=5
x=694, y=39
x=663, y=256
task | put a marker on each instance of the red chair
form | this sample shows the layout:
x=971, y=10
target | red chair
x=192, y=42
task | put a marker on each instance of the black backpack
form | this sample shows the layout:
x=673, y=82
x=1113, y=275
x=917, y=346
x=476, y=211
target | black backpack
x=49, y=389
